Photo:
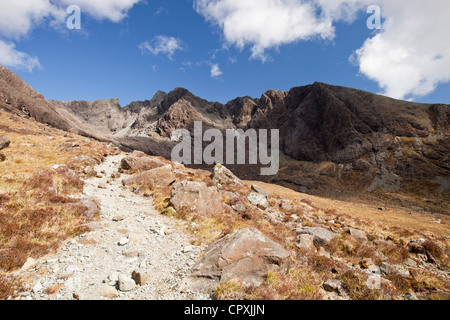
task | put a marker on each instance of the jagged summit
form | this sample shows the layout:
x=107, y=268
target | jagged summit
x=374, y=141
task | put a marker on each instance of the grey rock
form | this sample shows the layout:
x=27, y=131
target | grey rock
x=222, y=175
x=246, y=254
x=358, y=234
x=86, y=159
x=106, y=291
x=37, y=287
x=160, y=176
x=88, y=170
x=197, y=197
x=260, y=190
x=410, y=263
x=125, y=283
x=92, y=208
x=306, y=242
x=332, y=285
x=239, y=207
x=321, y=235
x=68, y=145
x=286, y=206
x=140, y=163
x=388, y=269
x=4, y=142
x=258, y=200
x=410, y=296
x=123, y=241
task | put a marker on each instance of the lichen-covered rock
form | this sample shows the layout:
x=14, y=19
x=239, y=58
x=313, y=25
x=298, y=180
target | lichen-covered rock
x=162, y=176
x=321, y=235
x=223, y=176
x=197, y=197
x=140, y=163
x=259, y=200
x=246, y=255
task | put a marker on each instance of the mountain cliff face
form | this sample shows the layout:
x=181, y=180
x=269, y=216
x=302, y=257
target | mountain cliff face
x=330, y=136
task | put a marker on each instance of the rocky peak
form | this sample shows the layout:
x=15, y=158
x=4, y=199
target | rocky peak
x=136, y=107
x=242, y=110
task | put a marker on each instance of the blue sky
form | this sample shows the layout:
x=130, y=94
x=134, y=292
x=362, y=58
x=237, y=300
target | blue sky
x=207, y=52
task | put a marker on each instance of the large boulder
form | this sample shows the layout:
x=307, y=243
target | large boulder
x=246, y=255
x=358, y=234
x=321, y=236
x=162, y=176
x=140, y=163
x=197, y=197
x=4, y=142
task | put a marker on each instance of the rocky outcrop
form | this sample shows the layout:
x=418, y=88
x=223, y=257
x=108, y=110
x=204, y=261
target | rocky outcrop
x=222, y=176
x=140, y=163
x=258, y=200
x=246, y=255
x=162, y=176
x=197, y=197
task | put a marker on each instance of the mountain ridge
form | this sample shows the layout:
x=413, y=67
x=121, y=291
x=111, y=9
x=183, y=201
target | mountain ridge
x=328, y=133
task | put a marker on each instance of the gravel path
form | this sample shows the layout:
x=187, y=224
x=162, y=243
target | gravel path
x=131, y=240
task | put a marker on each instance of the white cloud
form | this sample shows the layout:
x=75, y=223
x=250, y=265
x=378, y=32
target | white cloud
x=162, y=45
x=215, y=71
x=409, y=57
x=10, y=57
x=19, y=17
x=113, y=10
x=265, y=24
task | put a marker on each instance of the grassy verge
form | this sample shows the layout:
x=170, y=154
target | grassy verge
x=39, y=208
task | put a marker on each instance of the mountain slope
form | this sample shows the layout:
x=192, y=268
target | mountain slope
x=332, y=139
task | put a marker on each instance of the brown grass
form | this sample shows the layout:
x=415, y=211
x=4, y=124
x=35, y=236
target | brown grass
x=298, y=283
x=35, y=219
x=9, y=286
x=355, y=284
x=423, y=280
x=377, y=223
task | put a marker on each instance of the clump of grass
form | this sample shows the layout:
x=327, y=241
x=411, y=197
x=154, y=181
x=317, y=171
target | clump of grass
x=423, y=280
x=433, y=248
x=401, y=284
x=355, y=284
x=9, y=287
x=230, y=290
x=348, y=247
x=296, y=284
x=321, y=264
x=394, y=253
